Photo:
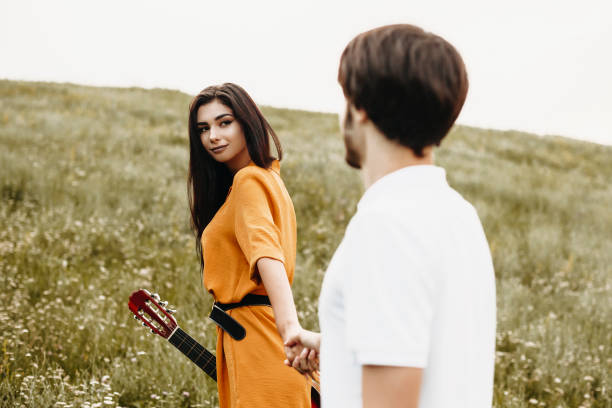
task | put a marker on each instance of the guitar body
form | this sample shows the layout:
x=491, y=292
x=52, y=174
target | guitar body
x=153, y=313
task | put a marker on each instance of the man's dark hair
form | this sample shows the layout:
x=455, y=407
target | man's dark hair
x=412, y=84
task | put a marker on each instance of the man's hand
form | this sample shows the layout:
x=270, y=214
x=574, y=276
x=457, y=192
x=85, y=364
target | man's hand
x=302, y=350
x=305, y=362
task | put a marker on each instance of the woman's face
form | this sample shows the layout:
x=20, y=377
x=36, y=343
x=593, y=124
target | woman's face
x=222, y=135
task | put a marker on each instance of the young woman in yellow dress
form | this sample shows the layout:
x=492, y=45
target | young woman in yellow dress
x=245, y=226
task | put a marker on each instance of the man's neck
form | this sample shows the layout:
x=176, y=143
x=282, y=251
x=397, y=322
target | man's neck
x=384, y=156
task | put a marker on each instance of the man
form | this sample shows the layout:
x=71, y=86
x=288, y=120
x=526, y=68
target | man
x=407, y=307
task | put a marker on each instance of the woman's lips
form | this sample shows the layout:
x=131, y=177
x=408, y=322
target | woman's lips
x=218, y=149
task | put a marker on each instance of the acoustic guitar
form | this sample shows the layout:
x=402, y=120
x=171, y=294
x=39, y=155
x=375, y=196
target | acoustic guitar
x=155, y=314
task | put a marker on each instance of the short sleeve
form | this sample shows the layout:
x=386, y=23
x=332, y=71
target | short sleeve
x=390, y=297
x=256, y=232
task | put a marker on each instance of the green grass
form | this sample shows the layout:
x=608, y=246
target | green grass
x=93, y=206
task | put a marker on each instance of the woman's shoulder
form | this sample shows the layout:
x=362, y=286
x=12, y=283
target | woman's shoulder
x=253, y=181
x=250, y=171
x=253, y=171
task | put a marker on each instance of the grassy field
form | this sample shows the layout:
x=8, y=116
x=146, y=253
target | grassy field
x=93, y=206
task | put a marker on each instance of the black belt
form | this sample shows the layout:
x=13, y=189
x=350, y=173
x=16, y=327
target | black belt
x=219, y=314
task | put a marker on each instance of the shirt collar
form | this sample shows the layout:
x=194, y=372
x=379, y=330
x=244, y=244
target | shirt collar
x=418, y=177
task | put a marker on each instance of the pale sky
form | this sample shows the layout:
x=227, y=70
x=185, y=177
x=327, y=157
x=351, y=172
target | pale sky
x=539, y=66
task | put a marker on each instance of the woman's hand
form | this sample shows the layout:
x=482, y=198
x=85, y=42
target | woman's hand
x=302, y=350
x=305, y=338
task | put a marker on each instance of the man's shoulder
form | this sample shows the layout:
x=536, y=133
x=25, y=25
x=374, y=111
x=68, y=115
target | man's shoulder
x=420, y=221
x=404, y=206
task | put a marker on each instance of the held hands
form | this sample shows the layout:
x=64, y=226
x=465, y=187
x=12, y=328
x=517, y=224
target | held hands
x=302, y=350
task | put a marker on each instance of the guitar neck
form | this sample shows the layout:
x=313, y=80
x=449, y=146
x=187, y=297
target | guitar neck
x=195, y=352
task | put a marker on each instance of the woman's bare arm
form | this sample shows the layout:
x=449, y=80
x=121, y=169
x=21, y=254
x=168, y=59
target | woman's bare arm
x=274, y=278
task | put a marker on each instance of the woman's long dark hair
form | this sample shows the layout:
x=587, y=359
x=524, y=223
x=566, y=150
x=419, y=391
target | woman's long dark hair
x=209, y=181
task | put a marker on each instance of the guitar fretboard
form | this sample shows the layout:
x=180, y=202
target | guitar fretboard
x=196, y=353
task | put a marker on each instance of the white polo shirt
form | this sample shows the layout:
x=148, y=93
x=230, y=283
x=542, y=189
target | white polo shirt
x=412, y=285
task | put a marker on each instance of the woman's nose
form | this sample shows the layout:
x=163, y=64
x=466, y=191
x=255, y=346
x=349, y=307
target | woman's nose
x=214, y=136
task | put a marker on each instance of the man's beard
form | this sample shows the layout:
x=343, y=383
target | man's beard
x=353, y=158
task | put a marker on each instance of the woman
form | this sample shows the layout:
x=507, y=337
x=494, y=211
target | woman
x=245, y=226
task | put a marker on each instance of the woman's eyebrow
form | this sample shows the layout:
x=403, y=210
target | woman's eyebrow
x=216, y=118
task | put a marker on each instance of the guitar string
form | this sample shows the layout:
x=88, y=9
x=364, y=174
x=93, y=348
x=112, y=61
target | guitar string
x=188, y=340
x=196, y=359
x=185, y=338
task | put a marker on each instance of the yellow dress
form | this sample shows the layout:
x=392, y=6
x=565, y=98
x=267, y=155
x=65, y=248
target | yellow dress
x=257, y=220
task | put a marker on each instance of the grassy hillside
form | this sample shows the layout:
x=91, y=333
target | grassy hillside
x=93, y=206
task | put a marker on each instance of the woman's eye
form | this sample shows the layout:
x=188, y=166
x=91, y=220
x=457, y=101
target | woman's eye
x=203, y=129
x=226, y=122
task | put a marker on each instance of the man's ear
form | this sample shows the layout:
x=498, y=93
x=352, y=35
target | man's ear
x=359, y=114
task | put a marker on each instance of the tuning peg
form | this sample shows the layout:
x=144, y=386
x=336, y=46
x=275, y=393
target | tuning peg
x=135, y=317
x=163, y=303
x=144, y=324
x=152, y=331
x=156, y=297
x=171, y=311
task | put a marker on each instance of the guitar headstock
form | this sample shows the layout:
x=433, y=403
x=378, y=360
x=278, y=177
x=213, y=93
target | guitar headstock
x=153, y=312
